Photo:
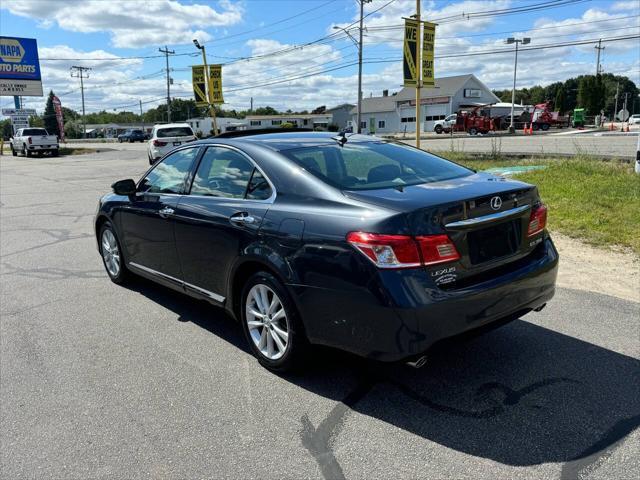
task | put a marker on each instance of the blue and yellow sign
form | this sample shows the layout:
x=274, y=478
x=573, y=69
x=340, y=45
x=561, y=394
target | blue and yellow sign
x=19, y=67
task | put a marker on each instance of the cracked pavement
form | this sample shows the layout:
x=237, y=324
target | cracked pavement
x=98, y=380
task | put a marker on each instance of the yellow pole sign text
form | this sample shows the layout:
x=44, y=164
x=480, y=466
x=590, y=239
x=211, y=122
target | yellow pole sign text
x=410, y=69
x=215, y=84
x=428, y=42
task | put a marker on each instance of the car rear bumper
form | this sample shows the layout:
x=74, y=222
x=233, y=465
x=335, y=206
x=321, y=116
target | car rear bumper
x=414, y=313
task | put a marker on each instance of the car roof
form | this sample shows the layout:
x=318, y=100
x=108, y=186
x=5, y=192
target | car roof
x=170, y=125
x=291, y=140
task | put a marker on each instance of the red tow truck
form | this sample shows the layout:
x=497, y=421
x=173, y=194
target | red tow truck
x=542, y=118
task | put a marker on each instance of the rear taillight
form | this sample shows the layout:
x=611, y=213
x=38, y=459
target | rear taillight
x=158, y=143
x=538, y=220
x=387, y=251
x=29, y=140
x=437, y=249
x=404, y=251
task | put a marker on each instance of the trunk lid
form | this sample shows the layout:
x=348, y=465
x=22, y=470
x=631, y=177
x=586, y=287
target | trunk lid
x=486, y=217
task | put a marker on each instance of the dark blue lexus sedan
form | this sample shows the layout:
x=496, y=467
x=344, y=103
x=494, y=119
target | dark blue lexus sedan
x=348, y=241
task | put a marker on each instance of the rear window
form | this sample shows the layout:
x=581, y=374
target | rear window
x=373, y=165
x=34, y=131
x=174, y=132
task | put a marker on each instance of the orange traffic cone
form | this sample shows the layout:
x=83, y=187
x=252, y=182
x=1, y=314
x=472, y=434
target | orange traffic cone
x=531, y=129
x=524, y=130
x=627, y=126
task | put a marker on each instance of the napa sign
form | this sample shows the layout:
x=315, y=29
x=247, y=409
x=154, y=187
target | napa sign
x=19, y=67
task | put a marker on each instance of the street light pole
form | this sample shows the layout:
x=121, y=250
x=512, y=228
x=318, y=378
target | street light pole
x=509, y=41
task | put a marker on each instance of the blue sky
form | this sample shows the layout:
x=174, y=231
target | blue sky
x=93, y=33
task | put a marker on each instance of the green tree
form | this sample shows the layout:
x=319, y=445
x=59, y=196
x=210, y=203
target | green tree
x=37, y=121
x=559, y=102
x=50, y=120
x=6, y=129
x=591, y=93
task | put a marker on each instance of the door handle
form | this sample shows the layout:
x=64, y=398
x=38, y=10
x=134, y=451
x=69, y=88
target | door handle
x=166, y=211
x=242, y=218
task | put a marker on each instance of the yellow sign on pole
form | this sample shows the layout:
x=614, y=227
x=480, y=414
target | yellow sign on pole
x=409, y=63
x=199, y=85
x=215, y=84
x=428, y=42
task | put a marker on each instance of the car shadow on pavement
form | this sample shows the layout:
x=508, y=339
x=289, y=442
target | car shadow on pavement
x=519, y=395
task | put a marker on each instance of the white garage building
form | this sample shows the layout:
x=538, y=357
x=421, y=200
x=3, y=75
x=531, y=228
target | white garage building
x=396, y=113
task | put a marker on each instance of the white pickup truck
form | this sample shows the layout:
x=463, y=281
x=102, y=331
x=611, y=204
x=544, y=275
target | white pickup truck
x=34, y=140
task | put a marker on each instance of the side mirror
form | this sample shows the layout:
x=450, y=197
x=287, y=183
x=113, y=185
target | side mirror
x=124, y=187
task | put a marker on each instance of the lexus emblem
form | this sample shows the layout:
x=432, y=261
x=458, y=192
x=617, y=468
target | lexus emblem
x=496, y=203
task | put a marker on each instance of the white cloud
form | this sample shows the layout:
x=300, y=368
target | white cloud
x=158, y=22
x=626, y=5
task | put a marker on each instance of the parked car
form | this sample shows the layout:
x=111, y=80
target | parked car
x=634, y=119
x=34, y=140
x=132, y=135
x=354, y=242
x=165, y=138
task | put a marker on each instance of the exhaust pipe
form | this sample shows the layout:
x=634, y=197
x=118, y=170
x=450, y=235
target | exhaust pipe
x=418, y=362
x=539, y=309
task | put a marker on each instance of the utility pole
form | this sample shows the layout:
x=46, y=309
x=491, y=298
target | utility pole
x=418, y=73
x=212, y=110
x=251, y=108
x=599, y=47
x=168, y=52
x=508, y=41
x=615, y=109
x=358, y=45
x=82, y=73
x=141, y=117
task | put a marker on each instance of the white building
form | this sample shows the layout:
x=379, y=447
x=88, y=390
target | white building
x=225, y=124
x=396, y=113
x=312, y=120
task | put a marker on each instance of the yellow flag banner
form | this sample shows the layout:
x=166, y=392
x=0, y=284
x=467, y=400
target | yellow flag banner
x=409, y=66
x=215, y=84
x=428, y=43
x=199, y=85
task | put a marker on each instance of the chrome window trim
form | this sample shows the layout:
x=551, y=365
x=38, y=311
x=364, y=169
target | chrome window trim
x=271, y=198
x=215, y=296
x=470, y=222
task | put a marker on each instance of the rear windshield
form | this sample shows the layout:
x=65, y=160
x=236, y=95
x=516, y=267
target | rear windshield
x=175, y=132
x=373, y=165
x=34, y=131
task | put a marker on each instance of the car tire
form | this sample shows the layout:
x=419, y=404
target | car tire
x=25, y=152
x=545, y=127
x=13, y=152
x=55, y=152
x=473, y=131
x=282, y=326
x=438, y=129
x=536, y=127
x=119, y=140
x=112, y=256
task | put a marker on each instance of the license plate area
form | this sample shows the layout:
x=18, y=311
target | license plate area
x=494, y=242
x=176, y=143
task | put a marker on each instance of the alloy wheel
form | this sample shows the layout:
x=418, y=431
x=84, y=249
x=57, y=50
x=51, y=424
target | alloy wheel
x=110, y=252
x=267, y=321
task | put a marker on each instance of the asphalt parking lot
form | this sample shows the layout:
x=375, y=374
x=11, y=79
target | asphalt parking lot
x=98, y=380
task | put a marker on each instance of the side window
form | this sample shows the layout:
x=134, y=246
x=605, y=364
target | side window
x=169, y=175
x=222, y=173
x=259, y=188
